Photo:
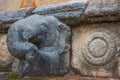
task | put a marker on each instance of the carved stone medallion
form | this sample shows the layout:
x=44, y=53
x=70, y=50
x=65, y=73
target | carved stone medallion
x=96, y=52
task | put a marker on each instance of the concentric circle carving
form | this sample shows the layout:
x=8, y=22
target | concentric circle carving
x=98, y=47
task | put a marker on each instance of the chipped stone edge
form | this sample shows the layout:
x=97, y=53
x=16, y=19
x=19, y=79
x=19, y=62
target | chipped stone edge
x=106, y=14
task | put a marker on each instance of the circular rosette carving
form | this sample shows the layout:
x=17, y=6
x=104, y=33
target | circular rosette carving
x=99, y=48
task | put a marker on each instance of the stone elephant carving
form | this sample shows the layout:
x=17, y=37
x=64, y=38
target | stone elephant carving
x=40, y=45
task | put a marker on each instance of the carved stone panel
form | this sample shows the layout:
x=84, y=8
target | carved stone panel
x=96, y=50
x=40, y=45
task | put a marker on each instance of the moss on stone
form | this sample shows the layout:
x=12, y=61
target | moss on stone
x=12, y=76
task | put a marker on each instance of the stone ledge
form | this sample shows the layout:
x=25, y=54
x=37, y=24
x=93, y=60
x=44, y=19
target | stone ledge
x=102, y=11
x=9, y=17
x=68, y=13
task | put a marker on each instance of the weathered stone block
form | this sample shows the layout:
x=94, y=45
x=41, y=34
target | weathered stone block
x=9, y=17
x=96, y=50
x=102, y=11
x=70, y=12
x=41, y=46
x=5, y=58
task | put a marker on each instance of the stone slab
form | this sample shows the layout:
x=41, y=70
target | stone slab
x=69, y=12
x=102, y=11
x=9, y=17
x=96, y=50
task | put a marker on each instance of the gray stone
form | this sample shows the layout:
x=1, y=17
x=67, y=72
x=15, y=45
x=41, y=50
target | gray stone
x=96, y=50
x=41, y=46
x=9, y=17
x=102, y=11
x=69, y=12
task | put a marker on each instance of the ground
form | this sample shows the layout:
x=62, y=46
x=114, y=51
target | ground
x=69, y=76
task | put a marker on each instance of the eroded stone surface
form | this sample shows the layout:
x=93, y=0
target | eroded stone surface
x=102, y=11
x=96, y=49
x=69, y=12
x=41, y=46
x=9, y=17
x=5, y=58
